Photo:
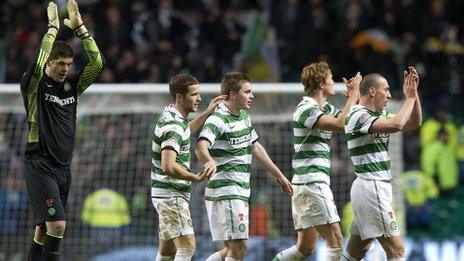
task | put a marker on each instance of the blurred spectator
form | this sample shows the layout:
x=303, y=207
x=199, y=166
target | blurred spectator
x=347, y=219
x=106, y=219
x=420, y=193
x=439, y=162
x=441, y=120
x=461, y=153
x=13, y=205
x=107, y=209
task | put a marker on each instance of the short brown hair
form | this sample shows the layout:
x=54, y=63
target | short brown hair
x=61, y=49
x=313, y=75
x=179, y=84
x=233, y=82
x=368, y=81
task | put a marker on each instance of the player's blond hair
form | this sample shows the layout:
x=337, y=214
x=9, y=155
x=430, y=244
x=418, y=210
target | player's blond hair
x=313, y=75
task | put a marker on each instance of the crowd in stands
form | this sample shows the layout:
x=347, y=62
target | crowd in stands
x=149, y=41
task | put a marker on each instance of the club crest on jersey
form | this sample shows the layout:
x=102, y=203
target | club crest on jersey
x=66, y=86
x=185, y=147
x=381, y=135
x=242, y=227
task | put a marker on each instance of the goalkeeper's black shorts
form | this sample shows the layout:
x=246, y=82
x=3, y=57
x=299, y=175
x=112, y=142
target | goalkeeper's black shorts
x=48, y=187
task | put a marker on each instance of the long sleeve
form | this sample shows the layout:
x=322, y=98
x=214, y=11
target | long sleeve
x=31, y=78
x=93, y=68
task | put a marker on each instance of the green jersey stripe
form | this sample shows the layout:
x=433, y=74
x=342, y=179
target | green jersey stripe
x=368, y=148
x=232, y=167
x=157, y=170
x=176, y=186
x=172, y=134
x=231, y=152
x=309, y=139
x=227, y=197
x=229, y=118
x=304, y=116
x=310, y=169
x=235, y=134
x=213, y=128
x=312, y=154
x=372, y=167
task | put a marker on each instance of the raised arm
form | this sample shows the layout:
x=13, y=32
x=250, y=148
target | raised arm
x=95, y=64
x=415, y=120
x=330, y=123
x=398, y=122
x=263, y=158
x=30, y=79
x=196, y=123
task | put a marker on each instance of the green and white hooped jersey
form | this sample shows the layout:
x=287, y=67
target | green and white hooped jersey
x=368, y=151
x=231, y=139
x=311, y=158
x=171, y=131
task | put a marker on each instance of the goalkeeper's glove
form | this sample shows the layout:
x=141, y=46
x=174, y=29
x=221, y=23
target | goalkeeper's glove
x=53, y=20
x=75, y=20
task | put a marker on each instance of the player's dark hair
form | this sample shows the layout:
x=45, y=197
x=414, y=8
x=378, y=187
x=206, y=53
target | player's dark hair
x=233, y=82
x=368, y=81
x=61, y=49
x=179, y=84
x=313, y=75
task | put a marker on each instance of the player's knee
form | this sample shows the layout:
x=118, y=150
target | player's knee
x=184, y=254
x=56, y=228
x=396, y=250
x=306, y=249
x=187, y=245
x=238, y=247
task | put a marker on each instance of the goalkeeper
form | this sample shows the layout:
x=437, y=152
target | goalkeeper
x=50, y=96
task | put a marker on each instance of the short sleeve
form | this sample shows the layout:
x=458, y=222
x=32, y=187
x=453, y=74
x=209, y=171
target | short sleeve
x=211, y=130
x=310, y=116
x=171, y=137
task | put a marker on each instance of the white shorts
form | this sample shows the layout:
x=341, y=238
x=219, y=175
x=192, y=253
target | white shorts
x=228, y=219
x=373, y=212
x=174, y=217
x=313, y=205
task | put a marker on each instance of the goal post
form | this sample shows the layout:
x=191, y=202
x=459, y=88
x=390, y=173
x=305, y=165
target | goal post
x=113, y=150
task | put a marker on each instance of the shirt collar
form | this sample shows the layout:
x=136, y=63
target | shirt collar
x=222, y=106
x=173, y=109
x=311, y=101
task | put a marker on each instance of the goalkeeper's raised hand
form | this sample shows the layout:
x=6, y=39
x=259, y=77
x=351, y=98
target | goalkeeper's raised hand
x=53, y=20
x=75, y=20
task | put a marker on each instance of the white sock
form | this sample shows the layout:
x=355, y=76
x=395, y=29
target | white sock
x=289, y=254
x=163, y=258
x=334, y=253
x=397, y=259
x=228, y=258
x=183, y=254
x=215, y=257
x=347, y=257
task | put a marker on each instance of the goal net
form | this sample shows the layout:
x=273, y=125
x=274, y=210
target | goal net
x=113, y=151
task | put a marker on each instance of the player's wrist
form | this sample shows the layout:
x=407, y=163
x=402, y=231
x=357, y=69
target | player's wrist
x=53, y=31
x=81, y=31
